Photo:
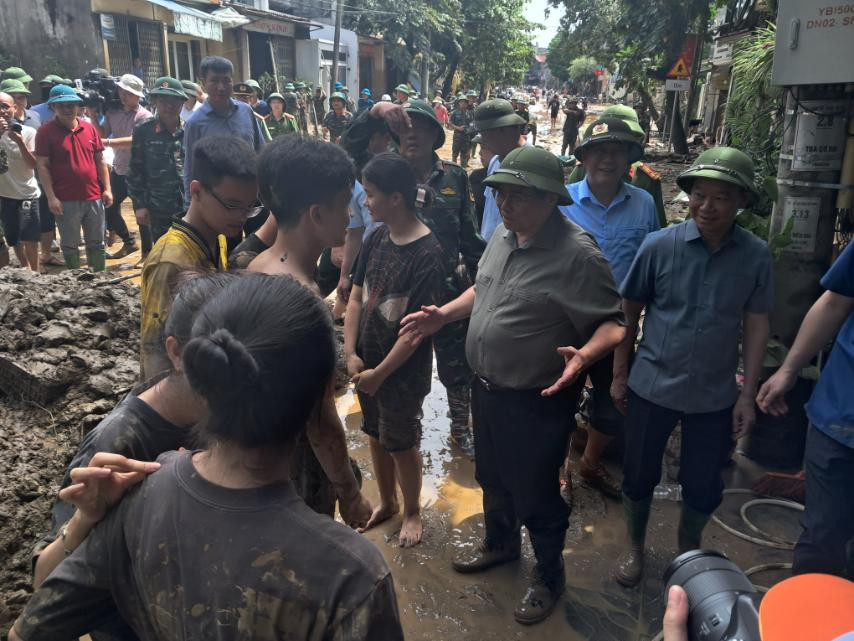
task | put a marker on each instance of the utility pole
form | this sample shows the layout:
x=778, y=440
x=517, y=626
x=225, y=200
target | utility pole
x=336, y=45
x=425, y=68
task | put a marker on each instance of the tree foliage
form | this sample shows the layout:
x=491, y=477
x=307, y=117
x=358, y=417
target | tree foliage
x=487, y=41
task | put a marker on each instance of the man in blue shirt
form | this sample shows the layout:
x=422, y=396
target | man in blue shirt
x=220, y=114
x=827, y=542
x=501, y=129
x=703, y=283
x=43, y=110
x=618, y=216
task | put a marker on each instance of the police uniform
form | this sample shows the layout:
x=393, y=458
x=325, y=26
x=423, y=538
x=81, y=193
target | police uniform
x=155, y=179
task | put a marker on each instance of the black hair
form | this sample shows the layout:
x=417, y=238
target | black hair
x=391, y=173
x=261, y=355
x=216, y=64
x=194, y=290
x=297, y=172
x=216, y=157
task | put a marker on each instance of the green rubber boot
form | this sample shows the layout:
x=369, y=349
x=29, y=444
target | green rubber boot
x=630, y=565
x=72, y=259
x=97, y=260
x=691, y=524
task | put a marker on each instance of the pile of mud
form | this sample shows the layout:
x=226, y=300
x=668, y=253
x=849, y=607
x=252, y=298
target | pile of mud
x=68, y=352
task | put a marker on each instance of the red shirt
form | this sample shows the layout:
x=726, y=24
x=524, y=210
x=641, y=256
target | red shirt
x=72, y=159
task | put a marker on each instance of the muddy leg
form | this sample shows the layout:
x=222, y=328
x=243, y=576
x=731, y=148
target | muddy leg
x=384, y=468
x=407, y=464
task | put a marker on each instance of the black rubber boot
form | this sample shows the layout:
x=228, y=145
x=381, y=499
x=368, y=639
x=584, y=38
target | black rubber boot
x=459, y=406
x=630, y=565
x=691, y=524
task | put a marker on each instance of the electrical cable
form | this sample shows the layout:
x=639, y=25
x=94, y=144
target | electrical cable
x=742, y=535
x=778, y=502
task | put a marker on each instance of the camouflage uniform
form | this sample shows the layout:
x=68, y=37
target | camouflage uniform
x=155, y=179
x=287, y=125
x=461, y=145
x=451, y=219
x=336, y=124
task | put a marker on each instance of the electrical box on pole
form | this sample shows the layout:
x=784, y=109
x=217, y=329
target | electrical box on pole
x=813, y=51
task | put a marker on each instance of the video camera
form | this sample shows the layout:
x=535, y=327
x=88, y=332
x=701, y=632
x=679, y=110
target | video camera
x=101, y=91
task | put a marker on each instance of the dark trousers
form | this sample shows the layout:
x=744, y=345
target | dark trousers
x=520, y=440
x=706, y=443
x=113, y=213
x=47, y=222
x=827, y=542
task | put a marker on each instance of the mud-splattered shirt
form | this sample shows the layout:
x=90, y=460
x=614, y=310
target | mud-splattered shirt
x=186, y=559
x=397, y=280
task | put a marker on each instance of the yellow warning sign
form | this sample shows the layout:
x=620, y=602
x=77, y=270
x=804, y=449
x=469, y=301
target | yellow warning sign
x=679, y=70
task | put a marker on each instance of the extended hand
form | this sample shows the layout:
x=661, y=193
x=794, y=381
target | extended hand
x=575, y=363
x=772, y=395
x=354, y=365
x=355, y=511
x=55, y=206
x=98, y=487
x=424, y=323
x=107, y=197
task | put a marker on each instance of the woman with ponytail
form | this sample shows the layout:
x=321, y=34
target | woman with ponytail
x=216, y=544
x=399, y=270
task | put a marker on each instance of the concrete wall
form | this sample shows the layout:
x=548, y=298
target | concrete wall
x=50, y=36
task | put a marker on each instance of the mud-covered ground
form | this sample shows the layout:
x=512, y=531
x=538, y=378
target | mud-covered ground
x=68, y=351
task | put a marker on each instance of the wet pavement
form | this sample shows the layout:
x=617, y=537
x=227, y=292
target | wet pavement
x=437, y=603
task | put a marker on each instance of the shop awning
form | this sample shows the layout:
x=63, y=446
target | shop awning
x=192, y=22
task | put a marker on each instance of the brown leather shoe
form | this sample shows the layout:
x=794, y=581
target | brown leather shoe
x=486, y=557
x=126, y=249
x=539, y=600
x=630, y=566
x=599, y=478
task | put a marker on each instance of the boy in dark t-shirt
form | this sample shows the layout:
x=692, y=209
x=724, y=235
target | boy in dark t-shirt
x=400, y=270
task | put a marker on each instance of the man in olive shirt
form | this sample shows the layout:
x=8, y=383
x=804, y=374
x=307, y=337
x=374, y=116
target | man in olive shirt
x=544, y=307
x=702, y=282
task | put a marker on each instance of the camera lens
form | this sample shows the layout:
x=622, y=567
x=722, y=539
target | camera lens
x=713, y=584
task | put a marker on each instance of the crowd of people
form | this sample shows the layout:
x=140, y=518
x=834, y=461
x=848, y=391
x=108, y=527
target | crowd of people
x=249, y=225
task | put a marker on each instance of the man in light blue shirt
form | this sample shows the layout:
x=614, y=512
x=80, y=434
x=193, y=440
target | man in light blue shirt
x=359, y=228
x=618, y=216
x=220, y=114
x=501, y=129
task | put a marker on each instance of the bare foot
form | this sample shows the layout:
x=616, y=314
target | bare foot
x=381, y=513
x=411, y=530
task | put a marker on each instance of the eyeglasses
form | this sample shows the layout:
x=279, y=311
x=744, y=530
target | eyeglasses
x=249, y=212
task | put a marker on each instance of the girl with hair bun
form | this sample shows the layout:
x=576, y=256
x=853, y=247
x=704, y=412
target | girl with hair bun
x=400, y=270
x=217, y=544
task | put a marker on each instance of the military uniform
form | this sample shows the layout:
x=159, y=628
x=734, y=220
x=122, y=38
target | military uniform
x=287, y=125
x=336, y=124
x=155, y=179
x=461, y=146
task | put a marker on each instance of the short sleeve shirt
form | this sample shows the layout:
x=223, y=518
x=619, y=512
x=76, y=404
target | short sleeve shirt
x=18, y=181
x=360, y=215
x=553, y=292
x=397, y=280
x=71, y=155
x=619, y=228
x=185, y=559
x=336, y=124
x=831, y=408
x=121, y=124
x=695, y=301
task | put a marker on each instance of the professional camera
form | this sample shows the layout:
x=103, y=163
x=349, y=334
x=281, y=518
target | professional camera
x=723, y=602
x=100, y=91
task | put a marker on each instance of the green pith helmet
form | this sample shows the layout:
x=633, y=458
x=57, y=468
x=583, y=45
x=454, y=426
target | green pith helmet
x=338, y=95
x=461, y=96
x=254, y=84
x=610, y=130
x=627, y=115
x=531, y=167
x=438, y=100
x=471, y=93
x=190, y=88
x=68, y=82
x=421, y=109
x=275, y=96
x=16, y=73
x=299, y=85
x=170, y=87
x=12, y=85
x=242, y=89
x=721, y=163
x=51, y=79
x=402, y=89
x=290, y=87
x=495, y=113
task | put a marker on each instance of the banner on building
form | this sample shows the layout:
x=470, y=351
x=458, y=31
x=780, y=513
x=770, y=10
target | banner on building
x=198, y=27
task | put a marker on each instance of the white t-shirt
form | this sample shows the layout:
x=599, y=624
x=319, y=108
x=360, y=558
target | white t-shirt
x=19, y=181
x=186, y=113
